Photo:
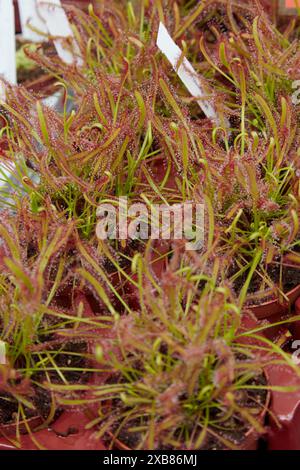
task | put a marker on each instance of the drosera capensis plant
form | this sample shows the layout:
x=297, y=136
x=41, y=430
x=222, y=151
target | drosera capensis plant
x=177, y=351
x=165, y=129
x=182, y=371
x=69, y=156
x=47, y=333
x=256, y=212
x=257, y=202
x=256, y=205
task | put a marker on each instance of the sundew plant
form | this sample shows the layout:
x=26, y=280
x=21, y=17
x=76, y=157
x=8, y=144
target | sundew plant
x=185, y=371
x=155, y=339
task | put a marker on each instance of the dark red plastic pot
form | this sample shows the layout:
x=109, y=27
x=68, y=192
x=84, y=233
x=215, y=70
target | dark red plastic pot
x=10, y=429
x=294, y=326
x=288, y=436
x=297, y=306
x=285, y=406
x=68, y=431
x=274, y=307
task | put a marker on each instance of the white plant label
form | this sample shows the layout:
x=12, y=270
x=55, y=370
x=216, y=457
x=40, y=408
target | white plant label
x=186, y=72
x=7, y=45
x=29, y=16
x=58, y=25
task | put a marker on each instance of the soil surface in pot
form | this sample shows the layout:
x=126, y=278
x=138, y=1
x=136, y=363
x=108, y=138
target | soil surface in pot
x=290, y=280
x=41, y=400
x=71, y=357
x=70, y=360
x=235, y=429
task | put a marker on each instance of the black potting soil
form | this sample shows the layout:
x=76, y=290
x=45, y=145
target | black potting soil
x=288, y=280
x=9, y=406
x=71, y=361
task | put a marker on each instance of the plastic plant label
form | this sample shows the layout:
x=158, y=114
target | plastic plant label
x=58, y=26
x=2, y=352
x=31, y=21
x=289, y=7
x=7, y=45
x=186, y=73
